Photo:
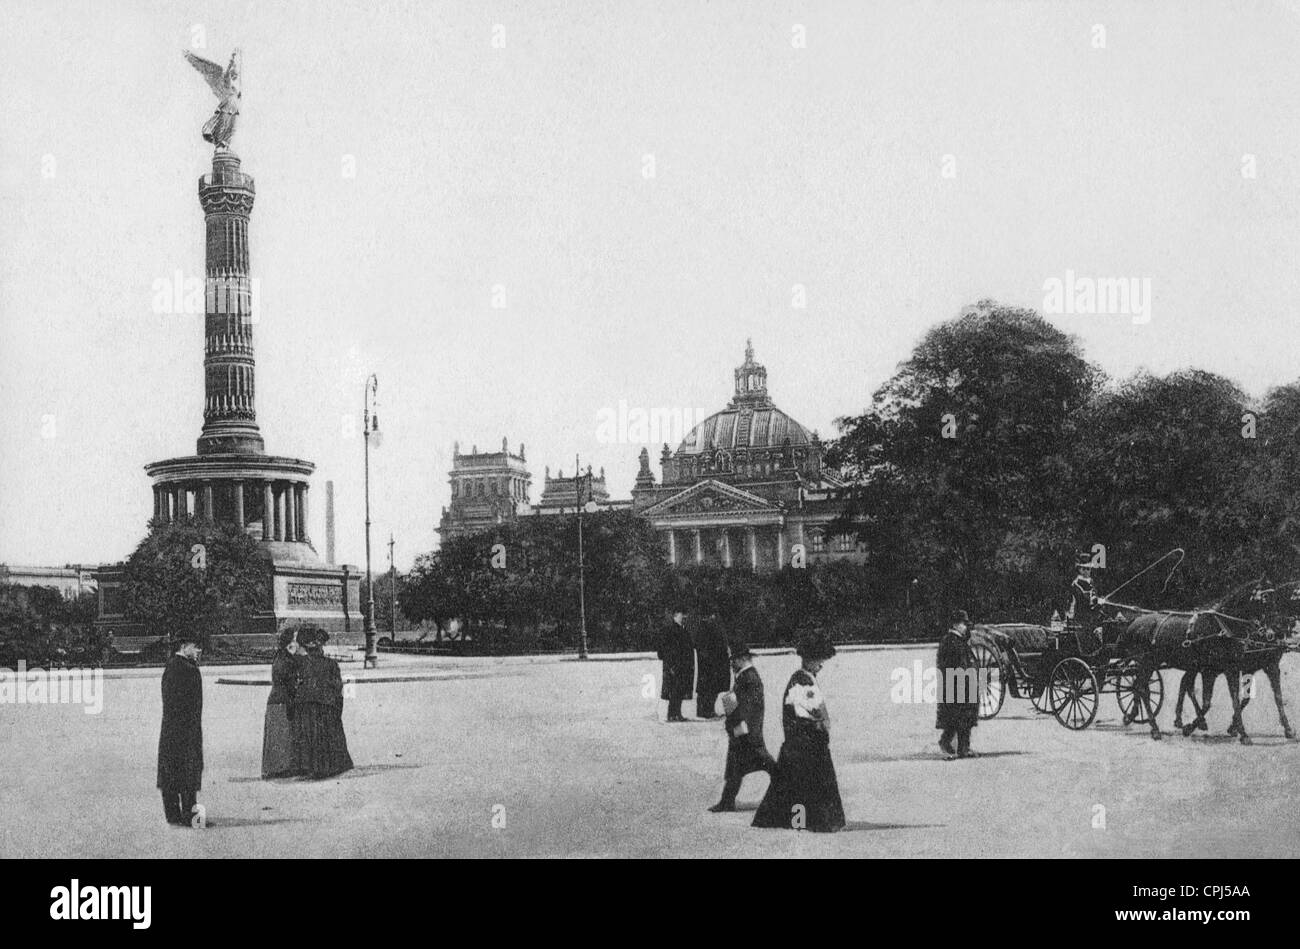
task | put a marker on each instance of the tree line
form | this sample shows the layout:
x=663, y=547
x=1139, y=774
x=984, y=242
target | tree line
x=995, y=453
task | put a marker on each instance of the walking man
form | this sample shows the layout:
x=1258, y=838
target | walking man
x=180, y=744
x=746, y=750
x=958, y=676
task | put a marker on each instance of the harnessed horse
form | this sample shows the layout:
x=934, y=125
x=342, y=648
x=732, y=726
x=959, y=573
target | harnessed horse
x=1210, y=643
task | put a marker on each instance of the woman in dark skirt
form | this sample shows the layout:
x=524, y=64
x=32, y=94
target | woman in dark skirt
x=277, y=731
x=320, y=748
x=804, y=793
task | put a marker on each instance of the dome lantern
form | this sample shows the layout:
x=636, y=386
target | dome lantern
x=751, y=379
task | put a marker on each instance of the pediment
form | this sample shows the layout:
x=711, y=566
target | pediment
x=712, y=497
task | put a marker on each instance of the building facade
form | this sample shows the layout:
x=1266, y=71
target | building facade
x=487, y=488
x=493, y=487
x=746, y=488
x=71, y=580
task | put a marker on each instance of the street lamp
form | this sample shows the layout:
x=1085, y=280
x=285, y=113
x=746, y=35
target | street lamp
x=582, y=585
x=370, y=424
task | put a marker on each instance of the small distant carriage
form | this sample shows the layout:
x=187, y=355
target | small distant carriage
x=1063, y=672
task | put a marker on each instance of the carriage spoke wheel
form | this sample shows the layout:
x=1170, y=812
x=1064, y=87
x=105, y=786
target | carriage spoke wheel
x=1074, y=693
x=1126, y=693
x=991, y=683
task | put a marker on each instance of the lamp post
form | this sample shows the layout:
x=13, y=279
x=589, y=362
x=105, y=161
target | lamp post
x=582, y=586
x=392, y=591
x=370, y=424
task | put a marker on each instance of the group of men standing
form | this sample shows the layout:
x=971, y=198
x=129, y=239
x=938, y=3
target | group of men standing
x=695, y=662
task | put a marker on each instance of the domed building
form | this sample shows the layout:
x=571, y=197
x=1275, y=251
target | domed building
x=746, y=487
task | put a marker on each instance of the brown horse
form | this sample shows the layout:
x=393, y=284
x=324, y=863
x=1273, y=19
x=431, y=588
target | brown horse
x=1264, y=651
x=1266, y=659
x=1211, y=643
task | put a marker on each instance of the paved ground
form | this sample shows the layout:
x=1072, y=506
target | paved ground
x=575, y=758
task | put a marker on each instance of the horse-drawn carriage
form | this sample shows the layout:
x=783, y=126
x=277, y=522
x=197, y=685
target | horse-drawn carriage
x=1063, y=672
x=1121, y=649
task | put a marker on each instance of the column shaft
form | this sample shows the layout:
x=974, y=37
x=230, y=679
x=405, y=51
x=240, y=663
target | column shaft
x=753, y=548
x=291, y=511
x=239, y=504
x=268, y=511
x=699, y=549
x=303, y=534
x=279, y=512
x=207, y=500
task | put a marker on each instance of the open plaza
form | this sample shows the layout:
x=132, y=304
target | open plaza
x=552, y=757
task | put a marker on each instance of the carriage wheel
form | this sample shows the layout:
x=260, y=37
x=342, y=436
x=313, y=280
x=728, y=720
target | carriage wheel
x=992, y=684
x=1126, y=693
x=1074, y=693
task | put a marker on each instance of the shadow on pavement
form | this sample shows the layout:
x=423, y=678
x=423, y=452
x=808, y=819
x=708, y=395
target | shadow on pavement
x=226, y=822
x=933, y=756
x=856, y=825
x=365, y=770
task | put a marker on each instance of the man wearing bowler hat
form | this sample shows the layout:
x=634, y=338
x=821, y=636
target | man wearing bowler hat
x=958, y=676
x=746, y=751
x=180, y=744
x=677, y=652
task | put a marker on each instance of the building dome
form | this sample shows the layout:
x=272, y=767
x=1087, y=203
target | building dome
x=750, y=420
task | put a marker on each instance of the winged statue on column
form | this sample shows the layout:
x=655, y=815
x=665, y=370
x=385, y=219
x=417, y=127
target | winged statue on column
x=225, y=83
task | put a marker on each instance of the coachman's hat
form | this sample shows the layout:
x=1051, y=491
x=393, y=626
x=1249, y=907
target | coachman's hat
x=741, y=651
x=959, y=616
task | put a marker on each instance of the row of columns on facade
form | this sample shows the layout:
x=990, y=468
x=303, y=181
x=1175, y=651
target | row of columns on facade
x=751, y=536
x=285, y=501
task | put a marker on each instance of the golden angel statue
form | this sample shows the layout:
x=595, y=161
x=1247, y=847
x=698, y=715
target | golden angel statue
x=225, y=84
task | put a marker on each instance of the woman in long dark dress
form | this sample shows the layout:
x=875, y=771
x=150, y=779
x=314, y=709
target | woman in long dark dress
x=277, y=730
x=320, y=747
x=804, y=793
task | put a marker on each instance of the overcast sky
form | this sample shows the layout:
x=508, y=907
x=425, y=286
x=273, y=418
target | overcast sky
x=642, y=185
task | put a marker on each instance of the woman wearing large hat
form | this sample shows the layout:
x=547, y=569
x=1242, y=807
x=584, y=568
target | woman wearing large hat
x=320, y=748
x=804, y=793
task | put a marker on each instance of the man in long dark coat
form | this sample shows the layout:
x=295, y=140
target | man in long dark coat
x=678, y=654
x=714, y=675
x=180, y=744
x=746, y=750
x=958, y=688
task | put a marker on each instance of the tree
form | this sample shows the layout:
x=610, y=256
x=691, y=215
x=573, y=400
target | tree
x=519, y=582
x=1271, y=487
x=1164, y=464
x=195, y=575
x=962, y=458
